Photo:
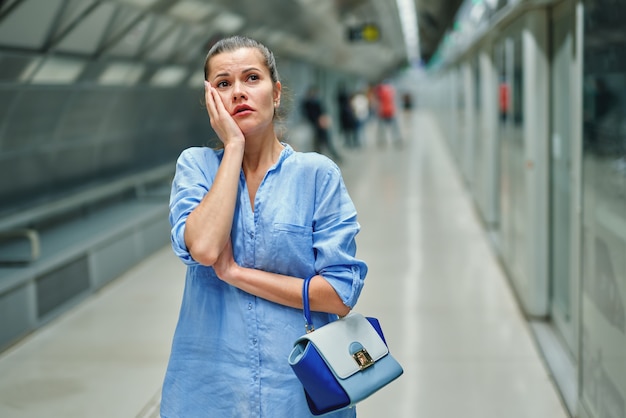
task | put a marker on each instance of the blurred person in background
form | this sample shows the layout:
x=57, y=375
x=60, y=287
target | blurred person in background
x=386, y=110
x=347, y=119
x=320, y=123
x=361, y=107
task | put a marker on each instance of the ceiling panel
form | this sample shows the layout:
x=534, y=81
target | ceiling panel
x=312, y=30
x=434, y=19
x=86, y=35
x=162, y=48
x=128, y=34
x=29, y=24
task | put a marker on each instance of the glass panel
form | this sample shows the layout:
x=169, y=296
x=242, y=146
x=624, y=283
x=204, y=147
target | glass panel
x=459, y=102
x=85, y=37
x=128, y=34
x=517, y=158
x=560, y=165
x=504, y=96
x=512, y=175
x=29, y=24
x=32, y=118
x=6, y=4
x=71, y=12
x=13, y=66
x=603, y=346
x=161, y=50
x=478, y=181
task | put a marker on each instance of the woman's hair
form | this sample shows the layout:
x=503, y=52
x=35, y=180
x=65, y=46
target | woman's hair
x=236, y=42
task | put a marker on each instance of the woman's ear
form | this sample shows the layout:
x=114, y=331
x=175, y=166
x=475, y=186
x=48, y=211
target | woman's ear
x=277, y=91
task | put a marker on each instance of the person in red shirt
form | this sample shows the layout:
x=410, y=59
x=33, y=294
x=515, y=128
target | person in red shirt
x=503, y=91
x=386, y=109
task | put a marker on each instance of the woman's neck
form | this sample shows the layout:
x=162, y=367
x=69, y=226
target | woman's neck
x=261, y=155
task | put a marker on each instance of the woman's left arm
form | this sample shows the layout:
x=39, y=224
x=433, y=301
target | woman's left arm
x=278, y=288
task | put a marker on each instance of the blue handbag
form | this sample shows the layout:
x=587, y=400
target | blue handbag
x=342, y=362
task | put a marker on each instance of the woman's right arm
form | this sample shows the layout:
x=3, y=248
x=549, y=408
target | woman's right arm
x=208, y=226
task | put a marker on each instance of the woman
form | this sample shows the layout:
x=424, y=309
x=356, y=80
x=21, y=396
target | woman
x=251, y=221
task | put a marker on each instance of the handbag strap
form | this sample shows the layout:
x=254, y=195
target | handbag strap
x=308, y=324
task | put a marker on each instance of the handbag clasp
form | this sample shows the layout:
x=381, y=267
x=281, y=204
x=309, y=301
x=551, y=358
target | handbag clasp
x=363, y=359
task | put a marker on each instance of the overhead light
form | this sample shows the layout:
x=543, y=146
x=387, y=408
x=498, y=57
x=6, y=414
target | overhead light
x=169, y=76
x=30, y=69
x=408, y=19
x=192, y=10
x=58, y=71
x=196, y=79
x=121, y=73
x=228, y=22
x=139, y=3
x=276, y=37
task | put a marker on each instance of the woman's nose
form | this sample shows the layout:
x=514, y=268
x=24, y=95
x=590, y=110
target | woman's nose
x=238, y=91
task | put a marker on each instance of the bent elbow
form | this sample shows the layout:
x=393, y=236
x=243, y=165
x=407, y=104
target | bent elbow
x=204, y=256
x=343, y=310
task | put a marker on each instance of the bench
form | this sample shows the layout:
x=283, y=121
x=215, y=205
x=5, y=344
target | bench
x=18, y=225
x=53, y=254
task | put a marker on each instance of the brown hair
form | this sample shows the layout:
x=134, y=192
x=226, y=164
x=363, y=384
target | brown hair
x=236, y=42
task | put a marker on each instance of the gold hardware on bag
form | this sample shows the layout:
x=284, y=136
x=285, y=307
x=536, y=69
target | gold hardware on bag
x=363, y=359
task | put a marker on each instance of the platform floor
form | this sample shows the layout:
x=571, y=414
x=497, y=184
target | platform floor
x=444, y=303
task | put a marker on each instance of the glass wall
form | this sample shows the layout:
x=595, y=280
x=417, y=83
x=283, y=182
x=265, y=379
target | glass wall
x=477, y=135
x=603, y=345
x=512, y=187
x=563, y=162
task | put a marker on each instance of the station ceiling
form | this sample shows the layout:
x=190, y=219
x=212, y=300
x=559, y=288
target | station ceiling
x=363, y=37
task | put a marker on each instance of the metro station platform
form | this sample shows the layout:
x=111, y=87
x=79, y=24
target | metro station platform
x=444, y=303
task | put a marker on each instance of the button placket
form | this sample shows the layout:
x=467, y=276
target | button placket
x=255, y=361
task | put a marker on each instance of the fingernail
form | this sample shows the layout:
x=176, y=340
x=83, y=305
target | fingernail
x=207, y=84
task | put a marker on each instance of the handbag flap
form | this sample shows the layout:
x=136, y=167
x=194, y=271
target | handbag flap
x=341, y=344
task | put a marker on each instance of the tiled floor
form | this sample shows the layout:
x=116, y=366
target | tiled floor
x=445, y=306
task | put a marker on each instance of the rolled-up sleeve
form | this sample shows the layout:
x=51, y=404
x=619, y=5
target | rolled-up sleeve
x=334, y=238
x=191, y=183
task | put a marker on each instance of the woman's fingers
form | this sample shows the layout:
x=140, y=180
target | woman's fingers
x=222, y=122
x=209, y=100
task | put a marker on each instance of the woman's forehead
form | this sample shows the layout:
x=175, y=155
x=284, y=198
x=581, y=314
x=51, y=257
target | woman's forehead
x=231, y=61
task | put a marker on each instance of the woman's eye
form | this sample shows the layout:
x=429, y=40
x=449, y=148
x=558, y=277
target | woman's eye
x=222, y=84
x=253, y=77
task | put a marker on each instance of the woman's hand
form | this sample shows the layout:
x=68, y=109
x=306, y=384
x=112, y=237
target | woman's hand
x=221, y=121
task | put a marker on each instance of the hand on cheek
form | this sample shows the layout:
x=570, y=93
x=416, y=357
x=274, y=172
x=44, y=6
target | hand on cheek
x=221, y=121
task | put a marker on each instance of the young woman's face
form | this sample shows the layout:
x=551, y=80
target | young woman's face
x=245, y=86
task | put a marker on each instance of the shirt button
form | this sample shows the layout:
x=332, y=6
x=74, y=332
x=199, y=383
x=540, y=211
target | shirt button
x=249, y=306
x=254, y=341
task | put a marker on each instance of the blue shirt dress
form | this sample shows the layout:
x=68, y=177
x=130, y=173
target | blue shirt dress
x=230, y=349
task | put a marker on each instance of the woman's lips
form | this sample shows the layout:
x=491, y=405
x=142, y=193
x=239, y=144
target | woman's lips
x=242, y=110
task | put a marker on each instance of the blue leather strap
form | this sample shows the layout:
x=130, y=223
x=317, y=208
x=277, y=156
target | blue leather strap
x=308, y=324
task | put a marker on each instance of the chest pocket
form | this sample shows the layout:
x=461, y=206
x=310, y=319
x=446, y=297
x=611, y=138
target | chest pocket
x=292, y=247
